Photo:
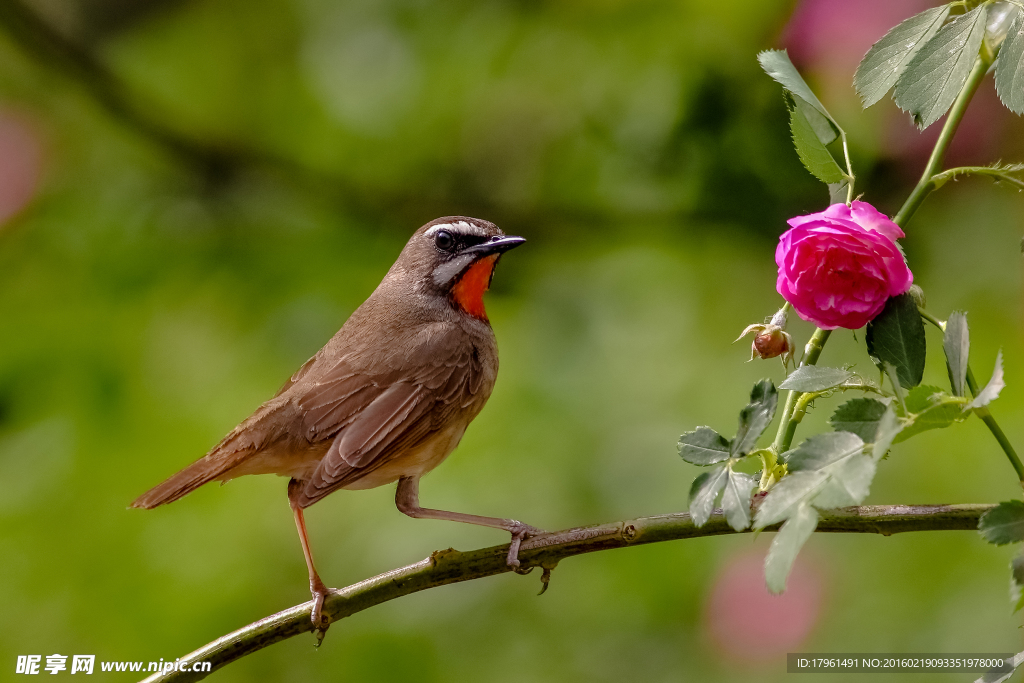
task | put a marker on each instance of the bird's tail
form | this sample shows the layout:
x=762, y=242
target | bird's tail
x=189, y=479
x=245, y=440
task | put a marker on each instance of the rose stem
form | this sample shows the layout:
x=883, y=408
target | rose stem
x=983, y=411
x=787, y=427
x=926, y=184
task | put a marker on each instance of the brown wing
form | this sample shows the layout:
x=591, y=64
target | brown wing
x=373, y=419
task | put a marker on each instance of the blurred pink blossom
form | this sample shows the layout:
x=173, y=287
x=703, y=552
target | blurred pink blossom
x=751, y=625
x=21, y=162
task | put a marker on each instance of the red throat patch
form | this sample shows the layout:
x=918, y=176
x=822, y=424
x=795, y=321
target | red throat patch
x=468, y=292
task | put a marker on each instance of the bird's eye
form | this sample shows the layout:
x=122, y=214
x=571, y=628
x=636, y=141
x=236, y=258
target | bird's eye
x=444, y=240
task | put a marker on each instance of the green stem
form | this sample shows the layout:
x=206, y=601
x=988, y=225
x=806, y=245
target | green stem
x=996, y=430
x=927, y=182
x=983, y=411
x=787, y=427
x=1000, y=174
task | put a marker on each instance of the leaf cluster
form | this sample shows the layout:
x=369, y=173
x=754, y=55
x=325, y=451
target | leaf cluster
x=835, y=469
x=704, y=446
x=926, y=59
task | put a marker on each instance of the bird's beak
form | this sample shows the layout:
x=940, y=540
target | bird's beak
x=496, y=245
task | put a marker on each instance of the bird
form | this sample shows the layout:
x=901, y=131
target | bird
x=387, y=399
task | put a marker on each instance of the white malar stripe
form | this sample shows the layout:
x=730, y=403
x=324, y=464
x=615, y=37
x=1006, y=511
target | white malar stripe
x=446, y=272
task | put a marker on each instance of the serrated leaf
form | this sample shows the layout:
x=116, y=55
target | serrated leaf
x=813, y=154
x=791, y=491
x=887, y=59
x=956, y=344
x=736, y=499
x=896, y=336
x=929, y=408
x=824, y=450
x=703, y=446
x=860, y=416
x=1017, y=582
x=991, y=390
x=815, y=378
x=786, y=545
x=1004, y=523
x=823, y=128
x=703, y=492
x=1010, y=66
x=888, y=427
x=777, y=64
x=755, y=417
x=936, y=74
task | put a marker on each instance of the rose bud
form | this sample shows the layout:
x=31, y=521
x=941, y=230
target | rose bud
x=839, y=267
x=771, y=340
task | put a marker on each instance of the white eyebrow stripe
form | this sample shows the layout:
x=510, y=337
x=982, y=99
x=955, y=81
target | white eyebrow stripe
x=461, y=227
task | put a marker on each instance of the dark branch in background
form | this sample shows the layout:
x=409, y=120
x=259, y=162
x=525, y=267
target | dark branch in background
x=451, y=566
x=218, y=162
x=43, y=42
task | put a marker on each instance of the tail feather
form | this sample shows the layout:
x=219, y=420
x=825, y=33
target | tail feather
x=189, y=479
x=244, y=441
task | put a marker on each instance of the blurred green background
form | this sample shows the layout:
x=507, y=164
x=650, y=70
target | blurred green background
x=195, y=195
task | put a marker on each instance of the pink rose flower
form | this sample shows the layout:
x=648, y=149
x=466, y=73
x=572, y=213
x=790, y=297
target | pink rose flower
x=838, y=267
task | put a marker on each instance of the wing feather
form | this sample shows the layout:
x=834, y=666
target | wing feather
x=382, y=420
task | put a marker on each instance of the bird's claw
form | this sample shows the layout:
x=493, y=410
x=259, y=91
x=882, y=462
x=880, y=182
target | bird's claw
x=320, y=620
x=519, y=532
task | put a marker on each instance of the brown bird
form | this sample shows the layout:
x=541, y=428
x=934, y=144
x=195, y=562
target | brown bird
x=389, y=396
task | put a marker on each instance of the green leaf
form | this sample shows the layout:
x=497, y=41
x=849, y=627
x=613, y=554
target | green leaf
x=1004, y=523
x=841, y=456
x=991, y=390
x=815, y=378
x=703, y=492
x=896, y=336
x=786, y=496
x=736, y=499
x=887, y=59
x=957, y=345
x=849, y=484
x=860, y=416
x=1010, y=66
x=703, y=446
x=937, y=73
x=786, y=545
x=888, y=427
x=823, y=450
x=1016, y=582
x=838, y=192
x=777, y=64
x=755, y=417
x=813, y=154
x=823, y=128
x=929, y=408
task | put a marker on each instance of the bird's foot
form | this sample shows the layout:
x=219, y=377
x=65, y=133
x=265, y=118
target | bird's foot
x=519, y=532
x=320, y=620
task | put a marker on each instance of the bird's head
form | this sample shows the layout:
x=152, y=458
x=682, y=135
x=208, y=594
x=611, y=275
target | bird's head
x=454, y=257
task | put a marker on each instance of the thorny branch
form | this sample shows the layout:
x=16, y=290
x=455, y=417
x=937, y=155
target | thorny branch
x=452, y=566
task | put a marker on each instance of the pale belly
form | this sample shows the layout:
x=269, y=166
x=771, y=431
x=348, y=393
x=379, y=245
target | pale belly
x=301, y=463
x=416, y=463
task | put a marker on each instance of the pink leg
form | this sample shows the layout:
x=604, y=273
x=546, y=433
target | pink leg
x=407, y=499
x=316, y=586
